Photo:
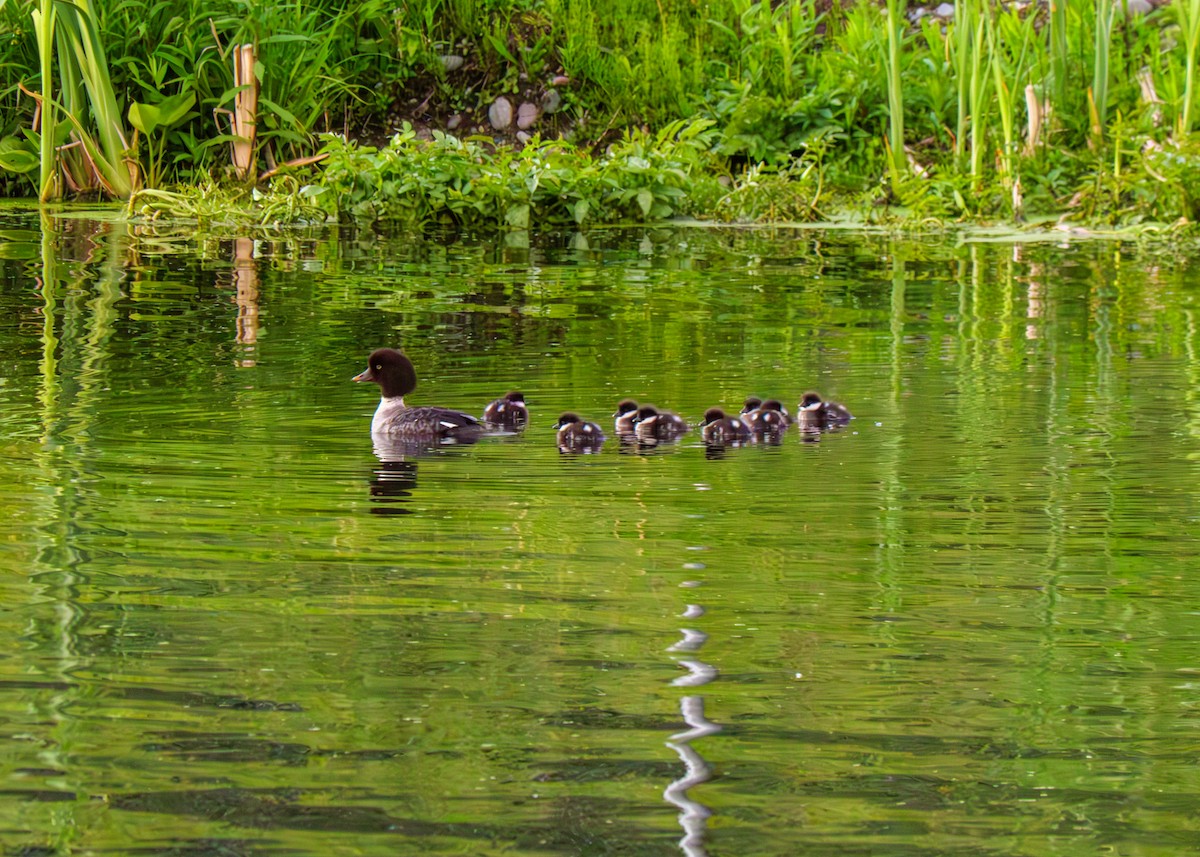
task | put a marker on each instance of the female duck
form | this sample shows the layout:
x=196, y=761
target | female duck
x=576, y=434
x=394, y=374
x=814, y=413
x=509, y=412
x=720, y=430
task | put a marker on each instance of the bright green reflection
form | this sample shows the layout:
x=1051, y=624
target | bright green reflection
x=963, y=623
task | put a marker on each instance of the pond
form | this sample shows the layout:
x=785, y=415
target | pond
x=968, y=622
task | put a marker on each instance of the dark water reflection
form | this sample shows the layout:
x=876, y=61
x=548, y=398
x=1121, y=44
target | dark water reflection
x=965, y=624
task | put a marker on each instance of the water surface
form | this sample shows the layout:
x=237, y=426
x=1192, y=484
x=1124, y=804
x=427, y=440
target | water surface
x=965, y=624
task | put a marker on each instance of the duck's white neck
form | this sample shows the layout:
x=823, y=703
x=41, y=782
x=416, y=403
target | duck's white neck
x=389, y=406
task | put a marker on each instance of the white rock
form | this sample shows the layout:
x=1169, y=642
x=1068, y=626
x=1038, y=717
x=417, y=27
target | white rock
x=452, y=62
x=945, y=10
x=551, y=101
x=500, y=114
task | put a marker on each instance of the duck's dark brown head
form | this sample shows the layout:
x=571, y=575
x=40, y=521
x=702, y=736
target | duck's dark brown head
x=391, y=370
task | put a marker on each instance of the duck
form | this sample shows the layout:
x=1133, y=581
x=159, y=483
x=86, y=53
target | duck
x=814, y=413
x=576, y=434
x=625, y=416
x=653, y=424
x=719, y=429
x=769, y=417
x=396, y=377
x=509, y=412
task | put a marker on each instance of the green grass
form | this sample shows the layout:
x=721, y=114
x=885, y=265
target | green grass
x=784, y=88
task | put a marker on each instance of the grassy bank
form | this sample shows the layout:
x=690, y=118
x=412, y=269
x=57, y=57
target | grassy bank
x=636, y=110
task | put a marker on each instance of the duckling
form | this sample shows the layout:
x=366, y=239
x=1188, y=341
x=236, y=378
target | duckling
x=509, y=412
x=752, y=403
x=625, y=416
x=720, y=429
x=814, y=413
x=770, y=417
x=653, y=424
x=576, y=434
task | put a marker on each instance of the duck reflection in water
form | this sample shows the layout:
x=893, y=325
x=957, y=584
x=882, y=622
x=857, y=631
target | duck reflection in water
x=394, y=481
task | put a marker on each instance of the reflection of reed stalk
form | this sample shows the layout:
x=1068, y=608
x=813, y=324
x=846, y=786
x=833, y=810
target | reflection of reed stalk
x=245, y=281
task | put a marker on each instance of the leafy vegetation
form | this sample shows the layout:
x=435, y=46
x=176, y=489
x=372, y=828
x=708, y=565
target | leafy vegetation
x=646, y=108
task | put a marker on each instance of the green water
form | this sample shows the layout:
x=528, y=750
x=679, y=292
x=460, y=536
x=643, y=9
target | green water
x=968, y=624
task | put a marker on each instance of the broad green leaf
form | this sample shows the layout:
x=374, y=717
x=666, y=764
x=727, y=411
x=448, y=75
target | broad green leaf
x=16, y=157
x=144, y=117
x=645, y=199
x=517, y=217
x=175, y=107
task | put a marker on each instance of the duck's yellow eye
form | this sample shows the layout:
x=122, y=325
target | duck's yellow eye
x=378, y=365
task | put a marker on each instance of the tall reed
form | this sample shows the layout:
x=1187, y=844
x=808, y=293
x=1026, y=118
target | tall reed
x=69, y=39
x=1011, y=39
x=1004, y=103
x=895, y=45
x=1188, y=13
x=972, y=83
x=43, y=24
x=1059, y=55
x=1105, y=9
